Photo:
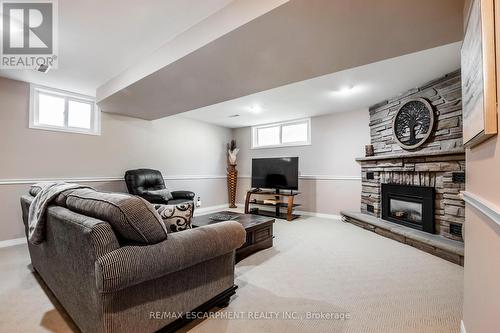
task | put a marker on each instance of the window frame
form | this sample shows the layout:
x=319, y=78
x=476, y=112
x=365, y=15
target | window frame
x=34, y=115
x=255, y=129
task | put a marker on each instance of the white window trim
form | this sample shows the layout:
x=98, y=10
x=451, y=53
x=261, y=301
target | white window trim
x=95, y=120
x=281, y=124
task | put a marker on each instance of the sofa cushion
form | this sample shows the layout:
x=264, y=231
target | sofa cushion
x=176, y=217
x=59, y=200
x=131, y=217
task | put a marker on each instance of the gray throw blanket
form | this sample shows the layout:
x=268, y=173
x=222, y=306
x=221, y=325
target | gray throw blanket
x=36, y=217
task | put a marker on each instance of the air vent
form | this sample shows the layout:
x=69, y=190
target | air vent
x=370, y=208
x=456, y=229
x=233, y=116
x=458, y=177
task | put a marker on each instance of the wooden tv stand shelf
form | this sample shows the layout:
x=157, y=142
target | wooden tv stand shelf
x=290, y=195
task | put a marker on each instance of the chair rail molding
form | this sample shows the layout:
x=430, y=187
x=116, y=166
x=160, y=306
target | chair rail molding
x=319, y=177
x=489, y=209
x=101, y=179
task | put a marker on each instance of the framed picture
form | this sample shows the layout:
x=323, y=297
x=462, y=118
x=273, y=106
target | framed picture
x=478, y=74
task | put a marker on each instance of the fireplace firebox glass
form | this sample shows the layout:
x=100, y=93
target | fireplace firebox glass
x=406, y=210
x=409, y=205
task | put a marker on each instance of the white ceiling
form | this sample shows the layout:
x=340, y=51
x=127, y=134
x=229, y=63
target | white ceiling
x=100, y=39
x=223, y=22
x=286, y=42
x=369, y=84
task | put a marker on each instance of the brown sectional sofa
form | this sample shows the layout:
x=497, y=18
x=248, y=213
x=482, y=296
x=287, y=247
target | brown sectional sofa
x=108, y=283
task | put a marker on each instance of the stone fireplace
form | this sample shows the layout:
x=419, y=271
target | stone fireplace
x=438, y=164
x=408, y=186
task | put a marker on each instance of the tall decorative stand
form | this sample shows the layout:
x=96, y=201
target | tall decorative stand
x=232, y=180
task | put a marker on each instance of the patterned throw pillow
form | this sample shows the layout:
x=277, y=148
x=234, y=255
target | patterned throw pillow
x=176, y=217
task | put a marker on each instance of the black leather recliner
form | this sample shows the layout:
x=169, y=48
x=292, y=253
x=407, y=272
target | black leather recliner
x=140, y=181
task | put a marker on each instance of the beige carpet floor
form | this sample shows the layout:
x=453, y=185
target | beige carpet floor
x=317, y=267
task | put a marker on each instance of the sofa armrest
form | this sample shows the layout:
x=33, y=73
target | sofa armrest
x=97, y=234
x=188, y=195
x=131, y=265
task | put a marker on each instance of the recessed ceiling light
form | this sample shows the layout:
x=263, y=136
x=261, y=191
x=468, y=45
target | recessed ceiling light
x=346, y=90
x=255, y=108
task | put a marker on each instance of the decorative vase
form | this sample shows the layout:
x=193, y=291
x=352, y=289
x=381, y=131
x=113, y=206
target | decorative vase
x=232, y=179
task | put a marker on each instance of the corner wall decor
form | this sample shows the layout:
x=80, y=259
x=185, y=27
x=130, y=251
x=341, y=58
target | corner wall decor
x=413, y=123
x=478, y=74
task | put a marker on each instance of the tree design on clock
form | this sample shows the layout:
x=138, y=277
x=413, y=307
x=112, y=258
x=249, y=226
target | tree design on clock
x=413, y=123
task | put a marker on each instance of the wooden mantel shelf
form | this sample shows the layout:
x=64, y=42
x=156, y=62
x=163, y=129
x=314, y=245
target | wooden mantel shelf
x=410, y=155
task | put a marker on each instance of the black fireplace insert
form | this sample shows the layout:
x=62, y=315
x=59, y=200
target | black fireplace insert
x=408, y=205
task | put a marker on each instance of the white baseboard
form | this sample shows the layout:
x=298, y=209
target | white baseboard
x=12, y=242
x=305, y=213
x=320, y=215
x=209, y=209
x=462, y=327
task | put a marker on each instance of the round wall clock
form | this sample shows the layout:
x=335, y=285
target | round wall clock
x=413, y=123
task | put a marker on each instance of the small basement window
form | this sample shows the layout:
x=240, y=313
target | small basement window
x=284, y=134
x=58, y=110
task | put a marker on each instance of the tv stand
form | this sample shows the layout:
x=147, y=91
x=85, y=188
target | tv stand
x=277, y=194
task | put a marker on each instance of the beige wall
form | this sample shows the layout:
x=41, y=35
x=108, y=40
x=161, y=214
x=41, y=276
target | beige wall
x=174, y=145
x=337, y=139
x=482, y=242
x=481, y=313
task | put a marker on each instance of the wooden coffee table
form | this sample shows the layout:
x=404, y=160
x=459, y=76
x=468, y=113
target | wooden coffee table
x=259, y=231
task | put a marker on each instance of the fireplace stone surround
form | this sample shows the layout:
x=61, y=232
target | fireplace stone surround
x=438, y=164
x=435, y=170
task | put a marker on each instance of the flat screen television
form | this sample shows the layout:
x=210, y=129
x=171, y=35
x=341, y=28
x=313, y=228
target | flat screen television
x=276, y=173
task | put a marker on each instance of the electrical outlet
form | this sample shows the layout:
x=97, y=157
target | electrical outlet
x=198, y=202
